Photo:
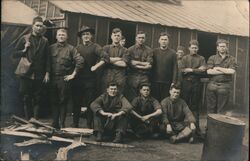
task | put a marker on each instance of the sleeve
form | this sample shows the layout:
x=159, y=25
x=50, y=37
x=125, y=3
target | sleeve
x=156, y=104
x=233, y=64
x=189, y=117
x=19, y=47
x=97, y=104
x=210, y=62
x=126, y=106
x=164, y=105
x=48, y=57
x=183, y=64
x=175, y=69
x=202, y=64
x=125, y=55
x=150, y=57
x=78, y=59
x=134, y=103
x=103, y=55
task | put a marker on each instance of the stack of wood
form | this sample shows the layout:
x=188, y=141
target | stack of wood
x=41, y=133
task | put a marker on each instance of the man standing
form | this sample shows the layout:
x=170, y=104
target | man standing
x=221, y=68
x=66, y=63
x=116, y=69
x=34, y=46
x=179, y=53
x=110, y=111
x=178, y=120
x=141, y=60
x=164, y=69
x=84, y=86
x=145, y=118
x=193, y=66
x=123, y=41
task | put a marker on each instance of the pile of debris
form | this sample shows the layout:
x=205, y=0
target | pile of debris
x=42, y=133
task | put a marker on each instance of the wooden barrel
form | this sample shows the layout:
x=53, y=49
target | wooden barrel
x=224, y=138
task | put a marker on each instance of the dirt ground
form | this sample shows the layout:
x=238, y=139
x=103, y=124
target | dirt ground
x=144, y=150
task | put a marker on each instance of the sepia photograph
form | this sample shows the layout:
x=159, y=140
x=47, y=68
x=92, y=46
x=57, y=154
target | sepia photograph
x=124, y=80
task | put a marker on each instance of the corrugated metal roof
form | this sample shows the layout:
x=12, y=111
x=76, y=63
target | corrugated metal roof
x=15, y=12
x=209, y=16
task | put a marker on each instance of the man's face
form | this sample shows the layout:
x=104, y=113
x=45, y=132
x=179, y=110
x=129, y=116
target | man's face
x=145, y=91
x=116, y=37
x=163, y=41
x=179, y=54
x=38, y=28
x=222, y=47
x=86, y=36
x=174, y=93
x=61, y=36
x=112, y=91
x=193, y=49
x=140, y=39
x=123, y=42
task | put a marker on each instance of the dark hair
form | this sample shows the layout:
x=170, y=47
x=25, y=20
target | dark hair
x=193, y=42
x=180, y=48
x=37, y=19
x=140, y=32
x=144, y=85
x=164, y=34
x=221, y=41
x=175, y=86
x=116, y=30
x=111, y=84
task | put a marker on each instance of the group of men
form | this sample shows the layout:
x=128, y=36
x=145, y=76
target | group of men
x=141, y=86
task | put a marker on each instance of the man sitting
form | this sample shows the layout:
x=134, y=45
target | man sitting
x=145, y=118
x=110, y=111
x=178, y=120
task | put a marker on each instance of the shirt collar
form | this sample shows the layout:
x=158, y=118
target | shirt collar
x=137, y=46
x=61, y=44
x=113, y=45
x=88, y=44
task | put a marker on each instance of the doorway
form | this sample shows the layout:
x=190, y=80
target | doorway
x=128, y=31
x=207, y=44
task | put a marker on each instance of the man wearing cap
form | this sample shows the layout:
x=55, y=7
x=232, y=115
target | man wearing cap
x=115, y=70
x=221, y=67
x=165, y=68
x=110, y=111
x=178, y=120
x=85, y=84
x=66, y=63
x=34, y=46
x=140, y=63
x=193, y=67
x=145, y=120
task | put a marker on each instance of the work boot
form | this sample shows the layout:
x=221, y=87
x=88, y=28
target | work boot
x=173, y=139
x=99, y=136
x=118, y=137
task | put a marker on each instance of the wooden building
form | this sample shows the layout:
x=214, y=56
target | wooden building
x=205, y=21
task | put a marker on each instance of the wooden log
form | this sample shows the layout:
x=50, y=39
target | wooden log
x=24, y=156
x=82, y=131
x=23, y=134
x=19, y=119
x=63, y=152
x=32, y=142
x=36, y=122
x=116, y=145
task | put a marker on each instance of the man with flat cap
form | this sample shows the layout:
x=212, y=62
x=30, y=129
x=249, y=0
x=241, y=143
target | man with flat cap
x=66, y=64
x=115, y=70
x=85, y=84
x=34, y=46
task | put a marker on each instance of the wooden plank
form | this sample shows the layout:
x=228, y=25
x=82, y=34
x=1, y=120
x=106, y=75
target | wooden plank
x=173, y=40
x=108, y=144
x=36, y=122
x=83, y=131
x=63, y=152
x=32, y=142
x=19, y=119
x=23, y=134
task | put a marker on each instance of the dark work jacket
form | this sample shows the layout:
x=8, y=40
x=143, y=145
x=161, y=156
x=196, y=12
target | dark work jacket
x=37, y=53
x=111, y=104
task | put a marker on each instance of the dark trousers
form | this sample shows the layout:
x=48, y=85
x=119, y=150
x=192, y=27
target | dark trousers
x=144, y=128
x=160, y=90
x=192, y=94
x=103, y=124
x=217, y=96
x=133, y=82
x=60, y=95
x=31, y=91
x=84, y=92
